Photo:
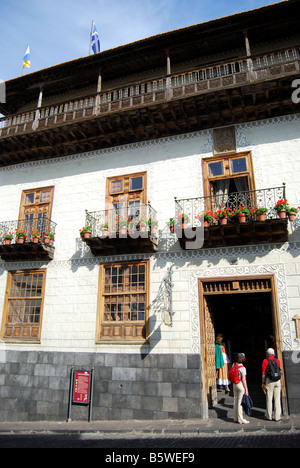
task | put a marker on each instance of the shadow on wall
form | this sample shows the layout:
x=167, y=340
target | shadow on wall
x=162, y=311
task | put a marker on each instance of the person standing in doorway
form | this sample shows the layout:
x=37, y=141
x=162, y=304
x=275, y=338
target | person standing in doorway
x=222, y=362
x=239, y=389
x=271, y=387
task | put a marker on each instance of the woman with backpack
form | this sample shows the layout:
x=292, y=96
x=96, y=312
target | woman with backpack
x=271, y=385
x=239, y=387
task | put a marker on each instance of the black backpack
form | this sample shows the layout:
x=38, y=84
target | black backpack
x=274, y=371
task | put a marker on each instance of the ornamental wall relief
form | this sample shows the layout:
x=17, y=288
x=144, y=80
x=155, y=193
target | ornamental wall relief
x=237, y=271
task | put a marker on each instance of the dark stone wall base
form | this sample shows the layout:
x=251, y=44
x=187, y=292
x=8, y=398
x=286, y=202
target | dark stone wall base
x=34, y=386
x=292, y=375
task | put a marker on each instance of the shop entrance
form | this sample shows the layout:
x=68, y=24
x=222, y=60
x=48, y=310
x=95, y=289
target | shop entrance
x=245, y=312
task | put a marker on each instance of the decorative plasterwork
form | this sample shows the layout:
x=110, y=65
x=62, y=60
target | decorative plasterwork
x=196, y=256
x=238, y=271
x=224, y=139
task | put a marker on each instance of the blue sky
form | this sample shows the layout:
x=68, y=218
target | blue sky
x=59, y=30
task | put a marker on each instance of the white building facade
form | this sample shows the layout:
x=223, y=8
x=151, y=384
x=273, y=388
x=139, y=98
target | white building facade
x=144, y=316
x=70, y=315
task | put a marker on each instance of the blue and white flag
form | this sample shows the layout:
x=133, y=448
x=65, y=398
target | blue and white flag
x=95, y=41
x=26, y=59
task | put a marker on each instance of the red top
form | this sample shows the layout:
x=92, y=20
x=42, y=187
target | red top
x=266, y=362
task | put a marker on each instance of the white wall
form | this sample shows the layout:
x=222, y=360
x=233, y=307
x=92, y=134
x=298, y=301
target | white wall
x=174, y=168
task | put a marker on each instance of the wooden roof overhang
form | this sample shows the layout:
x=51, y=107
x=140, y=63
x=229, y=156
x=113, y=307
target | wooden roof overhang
x=221, y=35
x=190, y=111
x=218, y=103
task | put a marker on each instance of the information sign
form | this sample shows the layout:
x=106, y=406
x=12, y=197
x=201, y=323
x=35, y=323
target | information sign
x=81, y=393
x=81, y=390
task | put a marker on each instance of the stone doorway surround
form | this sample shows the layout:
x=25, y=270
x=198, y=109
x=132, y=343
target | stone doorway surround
x=217, y=275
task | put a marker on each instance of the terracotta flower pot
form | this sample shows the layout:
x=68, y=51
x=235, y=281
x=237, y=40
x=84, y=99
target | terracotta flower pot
x=206, y=223
x=104, y=232
x=292, y=216
x=7, y=241
x=20, y=240
x=123, y=230
x=261, y=217
x=242, y=219
x=223, y=221
x=47, y=239
x=85, y=235
x=172, y=227
x=35, y=240
x=282, y=214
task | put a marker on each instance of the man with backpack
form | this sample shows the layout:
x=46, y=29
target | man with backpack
x=271, y=374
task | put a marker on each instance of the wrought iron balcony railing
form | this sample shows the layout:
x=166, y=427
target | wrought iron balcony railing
x=194, y=208
x=39, y=225
x=134, y=217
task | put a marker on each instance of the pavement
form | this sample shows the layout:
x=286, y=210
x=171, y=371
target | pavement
x=289, y=423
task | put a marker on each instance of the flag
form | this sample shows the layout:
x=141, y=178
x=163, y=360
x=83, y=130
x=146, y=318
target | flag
x=95, y=42
x=26, y=59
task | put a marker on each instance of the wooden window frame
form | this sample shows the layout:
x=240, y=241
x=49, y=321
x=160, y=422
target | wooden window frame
x=36, y=190
x=38, y=207
x=22, y=332
x=132, y=332
x=225, y=158
x=110, y=196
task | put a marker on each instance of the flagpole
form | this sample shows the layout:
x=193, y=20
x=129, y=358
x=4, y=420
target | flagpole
x=91, y=37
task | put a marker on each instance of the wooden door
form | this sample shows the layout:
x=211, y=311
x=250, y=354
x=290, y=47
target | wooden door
x=278, y=340
x=208, y=357
x=126, y=197
x=229, y=181
x=232, y=286
x=35, y=210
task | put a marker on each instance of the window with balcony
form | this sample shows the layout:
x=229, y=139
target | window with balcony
x=123, y=306
x=228, y=178
x=31, y=236
x=22, y=317
x=129, y=222
x=228, y=209
x=35, y=210
x=126, y=197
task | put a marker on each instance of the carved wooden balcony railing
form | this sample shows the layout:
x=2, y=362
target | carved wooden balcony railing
x=131, y=229
x=252, y=231
x=201, y=80
x=31, y=248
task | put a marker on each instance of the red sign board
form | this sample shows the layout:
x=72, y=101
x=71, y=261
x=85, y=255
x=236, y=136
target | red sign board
x=81, y=393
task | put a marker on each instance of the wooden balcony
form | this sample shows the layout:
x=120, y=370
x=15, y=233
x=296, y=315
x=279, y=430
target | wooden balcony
x=134, y=235
x=27, y=248
x=29, y=251
x=224, y=93
x=235, y=232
